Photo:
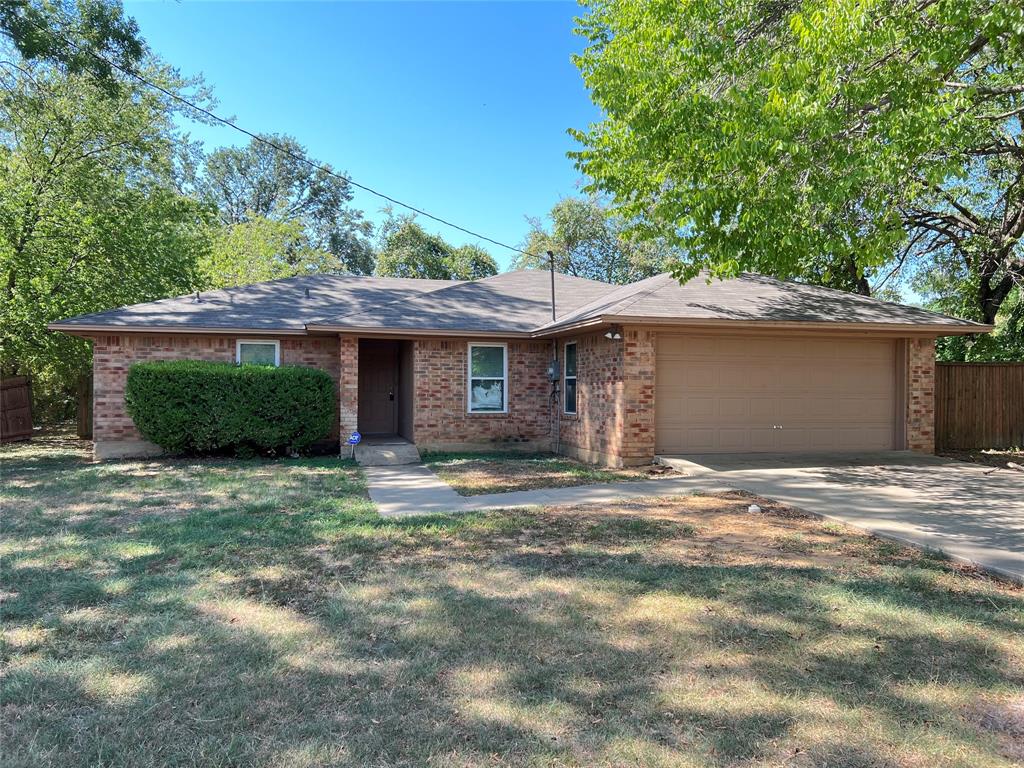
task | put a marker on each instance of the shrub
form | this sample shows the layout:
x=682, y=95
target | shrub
x=191, y=406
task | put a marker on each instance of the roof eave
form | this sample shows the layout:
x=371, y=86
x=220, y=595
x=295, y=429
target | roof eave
x=901, y=329
x=433, y=332
x=81, y=329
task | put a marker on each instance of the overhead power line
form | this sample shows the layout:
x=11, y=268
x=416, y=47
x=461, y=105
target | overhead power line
x=273, y=144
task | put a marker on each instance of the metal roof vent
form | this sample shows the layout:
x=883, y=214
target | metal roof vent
x=198, y=299
x=307, y=293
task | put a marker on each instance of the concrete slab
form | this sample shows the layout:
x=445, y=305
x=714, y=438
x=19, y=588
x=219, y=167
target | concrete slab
x=970, y=512
x=410, y=489
x=386, y=454
x=702, y=464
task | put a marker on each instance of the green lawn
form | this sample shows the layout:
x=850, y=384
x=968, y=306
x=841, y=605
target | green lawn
x=237, y=613
x=471, y=474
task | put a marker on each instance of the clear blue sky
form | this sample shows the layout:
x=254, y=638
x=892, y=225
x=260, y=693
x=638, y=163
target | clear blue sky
x=460, y=108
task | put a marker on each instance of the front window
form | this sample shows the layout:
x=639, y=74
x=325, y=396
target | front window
x=488, y=377
x=570, y=377
x=257, y=352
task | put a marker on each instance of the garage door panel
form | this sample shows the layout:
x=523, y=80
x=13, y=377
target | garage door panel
x=698, y=410
x=762, y=410
x=733, y=409
x=704, y=439
x=761, y=439
x=733, y=439
x=797, y=409
x=699, y=374
x=792, y=439
x=717, y=394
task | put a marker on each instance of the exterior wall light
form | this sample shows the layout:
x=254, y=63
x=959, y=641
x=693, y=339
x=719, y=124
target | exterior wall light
x=614, y=334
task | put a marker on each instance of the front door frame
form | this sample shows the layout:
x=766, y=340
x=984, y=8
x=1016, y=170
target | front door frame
x=377, y=359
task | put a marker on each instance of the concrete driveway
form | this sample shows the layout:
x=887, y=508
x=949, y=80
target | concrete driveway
x=969, y=511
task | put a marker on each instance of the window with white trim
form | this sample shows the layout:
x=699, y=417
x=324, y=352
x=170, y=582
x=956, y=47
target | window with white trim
x=488, y=378
x=569, y=379
x=257, y=352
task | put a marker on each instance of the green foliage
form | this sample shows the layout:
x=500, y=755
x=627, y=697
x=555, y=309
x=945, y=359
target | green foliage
x=198, y=407
x=257, y=181
x=822, y=139
x=41, y=29
x=1006, y=342
x=407, y=250
x=90, y=215
x=590, y=241
x=261, y=249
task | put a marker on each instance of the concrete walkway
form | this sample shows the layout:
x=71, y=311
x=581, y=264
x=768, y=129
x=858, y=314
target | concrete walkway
x=965, y=510
x=413, y=489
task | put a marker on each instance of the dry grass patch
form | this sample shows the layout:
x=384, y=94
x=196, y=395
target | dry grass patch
x=276, y=620
x=991, y=457
x=472, y=474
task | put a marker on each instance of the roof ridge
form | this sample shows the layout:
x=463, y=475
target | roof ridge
x=644, y=291
x=634, y=297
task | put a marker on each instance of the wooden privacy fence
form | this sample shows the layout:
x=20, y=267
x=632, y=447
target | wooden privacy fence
x=15, y=409
x=979, y=405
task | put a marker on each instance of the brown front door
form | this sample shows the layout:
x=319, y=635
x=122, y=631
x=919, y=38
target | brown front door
x=378, y=387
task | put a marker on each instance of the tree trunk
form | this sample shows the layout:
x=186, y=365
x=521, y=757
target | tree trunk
x=860, y=283
x=991, y=297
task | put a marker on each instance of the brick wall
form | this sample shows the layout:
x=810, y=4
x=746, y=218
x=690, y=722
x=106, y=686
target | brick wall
x=593, y=434
x=348, y=395
x=440, y=402
x=114, y=433
x=638, y=396
x=614, y=423
x=921, y=395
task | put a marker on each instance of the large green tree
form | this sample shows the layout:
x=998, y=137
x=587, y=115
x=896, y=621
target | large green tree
x=827, y=139
x=82, y=36
x=407, y=250
x=90, y=215
x=589, y=241
x=259, y=181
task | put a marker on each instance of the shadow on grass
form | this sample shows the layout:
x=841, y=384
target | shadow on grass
x=311, y=631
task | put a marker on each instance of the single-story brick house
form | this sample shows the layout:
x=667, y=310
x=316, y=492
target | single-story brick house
x=620, y=374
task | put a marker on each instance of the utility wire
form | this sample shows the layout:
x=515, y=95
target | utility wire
x=274, y=145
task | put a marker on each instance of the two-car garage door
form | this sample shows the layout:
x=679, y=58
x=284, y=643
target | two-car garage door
x=718, y=394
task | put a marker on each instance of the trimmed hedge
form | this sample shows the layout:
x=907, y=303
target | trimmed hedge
x=192, y=406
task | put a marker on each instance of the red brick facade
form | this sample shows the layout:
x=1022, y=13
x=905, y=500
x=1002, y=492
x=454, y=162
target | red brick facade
x=638, y=396
x=614, y=424
x=921, y=395
x=113, y=430
x=593, y=432
x=348, y=395
x=614, y=421
x=440, y=409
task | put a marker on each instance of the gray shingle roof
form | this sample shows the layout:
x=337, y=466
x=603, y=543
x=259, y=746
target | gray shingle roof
x=514, y=302
x=276, y=305
x=749, y=297
x=511, y=302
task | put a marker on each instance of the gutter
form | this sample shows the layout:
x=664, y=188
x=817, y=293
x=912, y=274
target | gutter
x=407, y=332
x=895, y=329
x=902, y=329
x=90, y=330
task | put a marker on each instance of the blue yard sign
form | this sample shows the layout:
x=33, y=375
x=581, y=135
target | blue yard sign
x=354, y=438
